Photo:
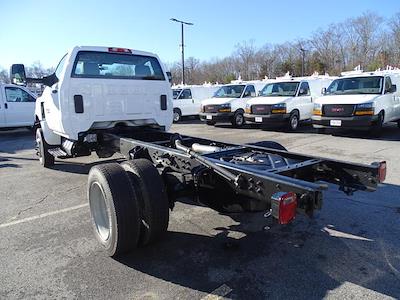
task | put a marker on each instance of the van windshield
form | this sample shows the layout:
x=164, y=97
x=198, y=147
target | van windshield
x=175, y=93
x=278, y=89
x=91, y=64
x=230, y=91
x=356, y=85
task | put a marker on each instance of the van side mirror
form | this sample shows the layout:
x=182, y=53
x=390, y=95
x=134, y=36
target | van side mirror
x=169, y=75
x=17, y=74
x=323, y=91
x=393, y=88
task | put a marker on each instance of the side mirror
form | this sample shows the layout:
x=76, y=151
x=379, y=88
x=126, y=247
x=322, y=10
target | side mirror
x=393, y=88
x=169, y=75
x=17, y=74
x=323, y=91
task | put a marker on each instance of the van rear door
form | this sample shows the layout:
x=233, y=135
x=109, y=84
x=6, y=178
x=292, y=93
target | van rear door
x=108, y=86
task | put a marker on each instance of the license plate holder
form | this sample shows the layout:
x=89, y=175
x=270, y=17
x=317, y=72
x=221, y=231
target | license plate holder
x=336, y=123
x=258, y=119
x=209, y=117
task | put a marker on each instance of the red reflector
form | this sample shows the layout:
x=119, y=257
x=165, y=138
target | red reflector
x=382, y=171
x=283, y=206
x=119, y=50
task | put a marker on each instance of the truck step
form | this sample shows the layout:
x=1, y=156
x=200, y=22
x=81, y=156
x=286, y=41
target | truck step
x=58, y=152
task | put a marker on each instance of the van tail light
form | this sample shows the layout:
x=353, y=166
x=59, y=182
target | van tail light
x=382, y=171
x=283, y=206
x=119, y=50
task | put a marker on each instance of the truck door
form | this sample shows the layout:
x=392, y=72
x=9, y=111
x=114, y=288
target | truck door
x=391, y=100
x=2, y=110
x=186, y=103
x=248, y=93
x=19, y=107
x=304, y=101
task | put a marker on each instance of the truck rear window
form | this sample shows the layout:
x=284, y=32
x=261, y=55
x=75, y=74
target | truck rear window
x=91, y=64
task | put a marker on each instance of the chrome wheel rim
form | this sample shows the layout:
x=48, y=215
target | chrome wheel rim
x=239, y=119
x=98, y=209
x=294, y=122
x=176, y=117
x=39, y=145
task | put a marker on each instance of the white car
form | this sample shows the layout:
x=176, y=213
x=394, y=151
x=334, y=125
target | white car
x=359, y=101
x=187, y=99
x=286, y=101
x=95, y=89
x=17, y=106
x=228, y=103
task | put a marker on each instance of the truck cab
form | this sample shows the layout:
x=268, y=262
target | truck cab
x=285, y=101
x=228, y=103
x=97, y=89
x=187, y=99
x=363, y=101
x=17, y=106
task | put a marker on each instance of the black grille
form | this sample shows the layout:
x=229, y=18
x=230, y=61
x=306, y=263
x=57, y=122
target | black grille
x=211, y=108
x=261, y=109
x=338, y=110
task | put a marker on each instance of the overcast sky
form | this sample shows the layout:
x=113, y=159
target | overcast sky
x=44, y=30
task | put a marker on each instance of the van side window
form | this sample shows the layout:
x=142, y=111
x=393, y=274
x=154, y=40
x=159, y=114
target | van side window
x=304, y=89
x=186, y=94
x=250, y=91
x=388, y=84
x=14, y=94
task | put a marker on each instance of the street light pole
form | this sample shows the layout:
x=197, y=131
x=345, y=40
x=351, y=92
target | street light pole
x=302, y=62
x=182, y=46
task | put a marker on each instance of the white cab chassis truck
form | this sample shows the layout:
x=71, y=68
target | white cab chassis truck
x=229, y=102
x=187, y=99
x=112, y=100
x=359, y=100
x=286, y=101
x=17, y=106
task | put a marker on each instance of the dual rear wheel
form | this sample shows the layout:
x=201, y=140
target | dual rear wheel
x=128, y=203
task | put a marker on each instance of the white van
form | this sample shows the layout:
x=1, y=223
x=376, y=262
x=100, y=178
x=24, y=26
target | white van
x=187, y=99
x=229, y=102
x=286, y=100
x=17, y=106
x=359, y=100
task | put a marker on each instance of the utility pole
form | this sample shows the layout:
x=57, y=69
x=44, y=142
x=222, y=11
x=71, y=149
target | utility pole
x=182, y=46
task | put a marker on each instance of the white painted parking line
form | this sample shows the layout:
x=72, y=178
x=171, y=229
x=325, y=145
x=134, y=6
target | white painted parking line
x=218, y=293
x=43, y=215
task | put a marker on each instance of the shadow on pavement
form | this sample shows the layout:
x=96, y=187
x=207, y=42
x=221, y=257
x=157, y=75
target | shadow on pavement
x=306, y=259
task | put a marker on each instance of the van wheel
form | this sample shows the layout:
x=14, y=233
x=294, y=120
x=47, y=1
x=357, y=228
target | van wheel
x=210, y=123
x=376, y=129
x=152, y=198
x=114, y=208
x=237, y=119
x=177, y=115
x=293, y=122
x=45, y=158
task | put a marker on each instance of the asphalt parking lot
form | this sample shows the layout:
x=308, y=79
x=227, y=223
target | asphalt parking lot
x=350, y=250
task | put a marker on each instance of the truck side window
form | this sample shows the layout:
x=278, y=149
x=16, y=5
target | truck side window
x=14, y=94
x=304, y=89
x=186, y=94
x=249, y=92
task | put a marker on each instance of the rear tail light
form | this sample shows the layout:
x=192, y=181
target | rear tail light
x=119, y=50
x=382, y=171
x=283, y=206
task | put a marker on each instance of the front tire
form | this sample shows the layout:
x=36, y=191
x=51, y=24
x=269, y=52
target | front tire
x=376, y=130
x=177, y=115
x=293, y=122
x=152, y=196
x=45, y=158
x=238, y=119
x=114, y=209
x=210, y=123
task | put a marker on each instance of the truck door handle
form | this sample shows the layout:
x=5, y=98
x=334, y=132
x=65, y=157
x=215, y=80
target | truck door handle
x=5, y=105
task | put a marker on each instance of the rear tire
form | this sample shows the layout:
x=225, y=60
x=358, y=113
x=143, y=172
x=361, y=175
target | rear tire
x=177, y=115
x=210, y=123
x=152, y=196
x=238, y=119
x=114, y=208
x=45, y=158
